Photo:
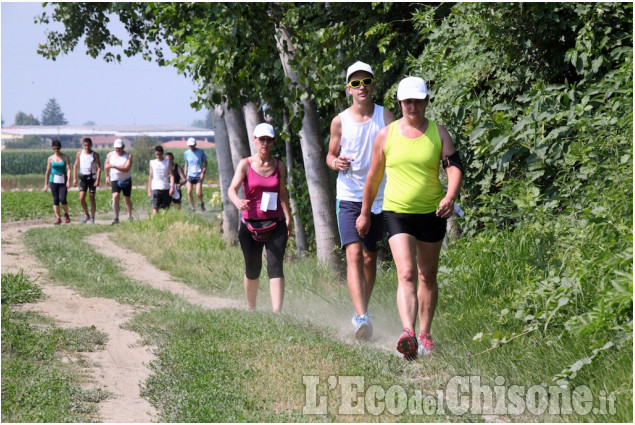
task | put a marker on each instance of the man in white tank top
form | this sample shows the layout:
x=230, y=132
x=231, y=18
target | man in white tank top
x=118, y=175
x=160, y=181
x=89, y=176
x=350, y=149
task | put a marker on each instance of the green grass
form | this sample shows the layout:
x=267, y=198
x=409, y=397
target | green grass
x=251, y=365
x=476, y=278
x=17, y=289
x=36, y=385
x=230, y=366
x=74, y=262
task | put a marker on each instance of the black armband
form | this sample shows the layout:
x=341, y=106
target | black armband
x=453, y=160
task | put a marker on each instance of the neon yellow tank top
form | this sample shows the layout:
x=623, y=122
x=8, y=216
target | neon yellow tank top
x=412, y=171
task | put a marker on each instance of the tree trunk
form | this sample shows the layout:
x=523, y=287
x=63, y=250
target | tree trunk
x=225, y=175
x=237, y=132
x=253, y=117
x=300, y=235
x=321, y=195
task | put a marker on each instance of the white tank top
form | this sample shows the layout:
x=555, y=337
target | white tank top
x=357, y=142
x=87, y=164
x=160, y=174
x=119, y=161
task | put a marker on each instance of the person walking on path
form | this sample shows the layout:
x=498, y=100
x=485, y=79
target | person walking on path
x=58, y=178
x=266, y=216
x=195, y=166
x=89, y=166
x=353, y=132
x=415, y=207
x=118, y=164
x=160, y=181
x=179, y=176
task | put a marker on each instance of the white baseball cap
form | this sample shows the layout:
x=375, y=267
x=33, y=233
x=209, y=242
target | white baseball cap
x=358, y=66
x=191, y=141
x=412, y=88
x=118, y=143
x=264, y=129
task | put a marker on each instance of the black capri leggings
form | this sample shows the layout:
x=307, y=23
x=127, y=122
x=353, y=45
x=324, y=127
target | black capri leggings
x=59, y=191
x=252, y=251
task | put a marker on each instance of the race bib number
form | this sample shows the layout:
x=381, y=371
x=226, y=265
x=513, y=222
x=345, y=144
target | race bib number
x=269, y=201
x=195, y=168
x=58, y=178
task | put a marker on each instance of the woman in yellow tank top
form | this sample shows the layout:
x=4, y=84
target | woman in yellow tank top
x=410, y=151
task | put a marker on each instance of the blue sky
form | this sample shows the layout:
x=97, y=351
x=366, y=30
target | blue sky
x=132, y=92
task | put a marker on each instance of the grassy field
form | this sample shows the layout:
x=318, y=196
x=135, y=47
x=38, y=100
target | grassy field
x=30, y=205
x=228, y=365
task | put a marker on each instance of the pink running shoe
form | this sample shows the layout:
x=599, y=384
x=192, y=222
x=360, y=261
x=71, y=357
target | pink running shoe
x=57, y=221
x=407, y=345
x=67, y=219
x=426, y=344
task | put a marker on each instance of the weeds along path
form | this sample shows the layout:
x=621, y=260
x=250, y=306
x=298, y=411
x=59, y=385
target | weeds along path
x=137, y=267
x=120, y=367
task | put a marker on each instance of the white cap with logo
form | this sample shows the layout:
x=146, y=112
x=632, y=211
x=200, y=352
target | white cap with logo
x=264, y=129
x=412, y=88
x=118, y=143
x=358, y=66
x=191, y=141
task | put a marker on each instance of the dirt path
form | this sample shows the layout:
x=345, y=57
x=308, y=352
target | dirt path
x=121, y=366
x=138, y=268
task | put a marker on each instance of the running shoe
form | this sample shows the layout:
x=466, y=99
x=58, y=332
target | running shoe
x=67, y=219
x=57, y=221
x=85, y=218
x=426, y=344
x=363, y=328
x=116, y=220
x=202, y=206
x=92, y=220
x=407, y=344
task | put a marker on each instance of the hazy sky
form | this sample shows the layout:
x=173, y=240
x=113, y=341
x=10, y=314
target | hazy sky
x=132, y=92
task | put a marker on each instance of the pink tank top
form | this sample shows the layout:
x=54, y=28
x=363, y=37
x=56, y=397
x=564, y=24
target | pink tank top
x=253, y=186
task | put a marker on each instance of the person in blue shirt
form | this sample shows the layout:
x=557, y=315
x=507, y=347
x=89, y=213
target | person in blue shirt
x=195, y=167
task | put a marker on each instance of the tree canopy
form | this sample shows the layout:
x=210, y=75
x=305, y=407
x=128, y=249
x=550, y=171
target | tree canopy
x=538, y=97
x=21, y=118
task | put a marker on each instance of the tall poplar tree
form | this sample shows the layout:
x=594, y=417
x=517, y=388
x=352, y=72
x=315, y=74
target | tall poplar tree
x=52, y=114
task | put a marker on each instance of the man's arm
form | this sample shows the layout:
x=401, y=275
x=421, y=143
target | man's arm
x=75, y=168
x=333, y=160
x=98, y=177
x=150, y=183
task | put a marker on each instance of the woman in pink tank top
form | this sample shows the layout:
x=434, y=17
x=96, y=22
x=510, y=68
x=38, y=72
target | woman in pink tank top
x=266, y=201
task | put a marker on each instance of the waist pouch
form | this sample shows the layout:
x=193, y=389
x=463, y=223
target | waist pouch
x=261, y=230
x=124, y=183
x=87, y=177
